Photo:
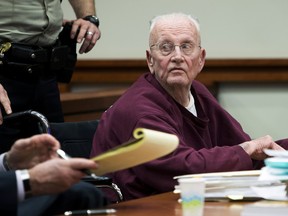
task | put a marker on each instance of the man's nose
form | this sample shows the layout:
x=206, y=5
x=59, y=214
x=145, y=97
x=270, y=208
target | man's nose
x=177, y=53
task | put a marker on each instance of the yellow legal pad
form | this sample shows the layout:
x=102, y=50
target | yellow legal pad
x=147, y=145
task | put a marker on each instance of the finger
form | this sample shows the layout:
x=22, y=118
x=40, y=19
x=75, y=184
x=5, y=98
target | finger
x=45, y=141
x=7, y=106
x=88, y=43
x=92, y=33
x=96, y=36
x=82, y=34
x=4, y=99
x=76, y=32
x=277, y=147
x=89, y=46
x=80, y=163
x=84, y=46
x=89, y=35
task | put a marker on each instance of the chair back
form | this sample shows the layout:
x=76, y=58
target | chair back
x=75, y=137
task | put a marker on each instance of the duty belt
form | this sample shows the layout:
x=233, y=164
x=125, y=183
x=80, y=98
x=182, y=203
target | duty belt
x=29, y=60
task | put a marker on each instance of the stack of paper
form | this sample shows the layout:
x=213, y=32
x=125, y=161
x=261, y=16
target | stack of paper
x=232, y=185
x=276, y=169
x=228, y=185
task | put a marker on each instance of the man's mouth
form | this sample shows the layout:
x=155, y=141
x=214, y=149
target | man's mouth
x=176, y=69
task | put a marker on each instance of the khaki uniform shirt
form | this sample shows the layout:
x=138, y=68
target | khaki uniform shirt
x=30, y=21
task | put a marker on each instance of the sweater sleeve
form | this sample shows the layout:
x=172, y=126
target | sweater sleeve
x=187, y=159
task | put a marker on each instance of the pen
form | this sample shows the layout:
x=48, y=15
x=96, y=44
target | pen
x=65, y=156
x=90, y=212
x=62, y=154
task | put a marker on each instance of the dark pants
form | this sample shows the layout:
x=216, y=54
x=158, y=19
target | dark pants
x=41, y=95
x=80, y=196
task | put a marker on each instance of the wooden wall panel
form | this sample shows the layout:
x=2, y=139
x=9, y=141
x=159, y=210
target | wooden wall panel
x=125, y=72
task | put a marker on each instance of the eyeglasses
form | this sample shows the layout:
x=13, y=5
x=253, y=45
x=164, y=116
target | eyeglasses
x=167, y=48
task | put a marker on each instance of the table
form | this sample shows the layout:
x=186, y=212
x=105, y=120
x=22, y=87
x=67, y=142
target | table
x=166, y=204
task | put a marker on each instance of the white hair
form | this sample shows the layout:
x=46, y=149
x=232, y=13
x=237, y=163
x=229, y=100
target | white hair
x=172, y=16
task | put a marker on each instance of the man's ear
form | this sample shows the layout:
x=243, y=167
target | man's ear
x=149, y=58
x=202, y=57
x=150, y=61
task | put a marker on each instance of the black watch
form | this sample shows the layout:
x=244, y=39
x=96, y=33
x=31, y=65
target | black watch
x=93, y=19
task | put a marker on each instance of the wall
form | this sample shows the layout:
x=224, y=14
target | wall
x=230, y=28
x=261, y=109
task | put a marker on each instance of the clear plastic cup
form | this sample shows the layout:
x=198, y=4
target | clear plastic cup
x=192, y=196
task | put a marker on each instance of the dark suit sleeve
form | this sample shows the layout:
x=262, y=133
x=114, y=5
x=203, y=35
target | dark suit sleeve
x=8, y=193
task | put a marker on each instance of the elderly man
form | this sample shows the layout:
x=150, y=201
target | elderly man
x=169, y=99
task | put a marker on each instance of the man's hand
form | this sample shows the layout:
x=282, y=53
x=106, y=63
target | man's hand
x=86, y=32
x=26, y=153
x=254, y=148
x=57, y=175
x=4, y=100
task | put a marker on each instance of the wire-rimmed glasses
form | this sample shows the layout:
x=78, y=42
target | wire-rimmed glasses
x=167, y=48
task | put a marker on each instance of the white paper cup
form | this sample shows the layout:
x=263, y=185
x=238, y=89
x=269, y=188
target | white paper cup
x=192, y=196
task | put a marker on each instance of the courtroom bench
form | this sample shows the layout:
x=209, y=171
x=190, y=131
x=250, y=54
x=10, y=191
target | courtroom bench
x=82, y=106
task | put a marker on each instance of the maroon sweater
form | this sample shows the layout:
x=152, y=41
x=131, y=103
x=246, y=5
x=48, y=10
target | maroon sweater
x=208, y=142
